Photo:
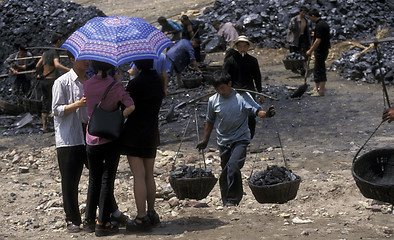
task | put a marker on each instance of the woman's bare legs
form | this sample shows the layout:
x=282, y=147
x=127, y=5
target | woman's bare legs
x=144, y=183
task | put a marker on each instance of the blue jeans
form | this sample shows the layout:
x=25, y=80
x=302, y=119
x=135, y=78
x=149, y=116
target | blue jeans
x=232, y=160
x=103, y=162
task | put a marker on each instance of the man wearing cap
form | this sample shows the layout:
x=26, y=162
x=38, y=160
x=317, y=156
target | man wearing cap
x=321, y=46
x=244, y=71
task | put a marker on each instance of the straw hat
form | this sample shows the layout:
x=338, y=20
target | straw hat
x=233, y=44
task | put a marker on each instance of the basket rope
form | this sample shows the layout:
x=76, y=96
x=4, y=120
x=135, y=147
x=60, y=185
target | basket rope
x=183, y=136
x=385, y=98
x=198, y=138
x=280, y=143
x=281, y=147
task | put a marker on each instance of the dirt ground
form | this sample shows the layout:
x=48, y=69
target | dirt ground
x=319, y=138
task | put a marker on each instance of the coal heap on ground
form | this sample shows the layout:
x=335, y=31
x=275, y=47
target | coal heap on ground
x=272, y=175
x=265, y=21
x=32, y=22
x=191, y=172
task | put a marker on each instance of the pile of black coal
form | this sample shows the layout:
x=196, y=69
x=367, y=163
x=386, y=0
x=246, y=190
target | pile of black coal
x=364, y=67
x=32, y=22
x=265, y=21
x=191, y=172
x=273, y=175
x=294, y=56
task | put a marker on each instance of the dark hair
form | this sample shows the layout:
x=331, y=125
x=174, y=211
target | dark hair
x=161, y=20
x=224, y=78
x=56, y=37
x=70, y=55
x=215, y=23
x=102, y=66
x=303, y=8
x=197, y=40
x=314, y=12
x=20, y=46
x=184, y=17
x=144, y=64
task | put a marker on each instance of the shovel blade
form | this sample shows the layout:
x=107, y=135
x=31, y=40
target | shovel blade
x=300, y=91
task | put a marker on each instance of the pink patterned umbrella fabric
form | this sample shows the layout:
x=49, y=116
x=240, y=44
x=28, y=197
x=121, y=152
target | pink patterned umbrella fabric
x=117, y=40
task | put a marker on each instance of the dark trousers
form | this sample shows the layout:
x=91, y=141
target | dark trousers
x=46, y=89
x=103, y=162
x=21, y=85
x=319, y=71
x=71, y=161
x=252, y=125
x=232, y=160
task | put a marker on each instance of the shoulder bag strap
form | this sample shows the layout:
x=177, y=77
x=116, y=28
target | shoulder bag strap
x=106, y=92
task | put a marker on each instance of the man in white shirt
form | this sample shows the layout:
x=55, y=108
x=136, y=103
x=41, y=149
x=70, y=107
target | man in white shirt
x=70, y=116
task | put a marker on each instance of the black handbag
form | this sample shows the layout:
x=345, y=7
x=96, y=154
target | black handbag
x=106, y=124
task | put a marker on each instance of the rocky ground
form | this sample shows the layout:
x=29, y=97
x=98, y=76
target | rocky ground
x=319, y=138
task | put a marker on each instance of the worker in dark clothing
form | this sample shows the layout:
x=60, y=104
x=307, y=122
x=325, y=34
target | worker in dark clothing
x=321, y=46
x=192, y=29
x=244, y=71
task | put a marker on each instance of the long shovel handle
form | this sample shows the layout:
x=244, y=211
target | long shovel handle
x=307, y=69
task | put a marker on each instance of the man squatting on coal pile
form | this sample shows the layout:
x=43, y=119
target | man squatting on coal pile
x=228, y=112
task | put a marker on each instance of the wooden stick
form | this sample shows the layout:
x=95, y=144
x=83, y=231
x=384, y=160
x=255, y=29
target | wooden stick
x=24, y=72
x=33, y=57
x=182, y=104
x=257, y=93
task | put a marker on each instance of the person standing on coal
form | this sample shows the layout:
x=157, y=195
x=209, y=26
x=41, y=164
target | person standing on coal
x=245, y=73
x=70, y=117
x=320, y=46
x=50, y=63
x=228, y=112
x=191, y=29
x=298, y=35
x=22, y=82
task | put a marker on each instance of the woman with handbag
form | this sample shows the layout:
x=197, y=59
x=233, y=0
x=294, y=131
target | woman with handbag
x=139, y=141
x=103, y=152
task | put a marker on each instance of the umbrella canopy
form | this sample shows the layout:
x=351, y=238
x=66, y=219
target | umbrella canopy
x=117, y=40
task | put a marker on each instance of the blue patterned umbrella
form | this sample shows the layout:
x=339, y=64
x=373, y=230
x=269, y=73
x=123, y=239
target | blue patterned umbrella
x=117, y=40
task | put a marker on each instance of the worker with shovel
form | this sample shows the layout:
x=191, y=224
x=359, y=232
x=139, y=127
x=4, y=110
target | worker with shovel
x=320, y=46
x=228, y=112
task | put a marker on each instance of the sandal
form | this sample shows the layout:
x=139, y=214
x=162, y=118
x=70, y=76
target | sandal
x=89, y=225
x=106, y=229
x=153, y=217
x=139, y=224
